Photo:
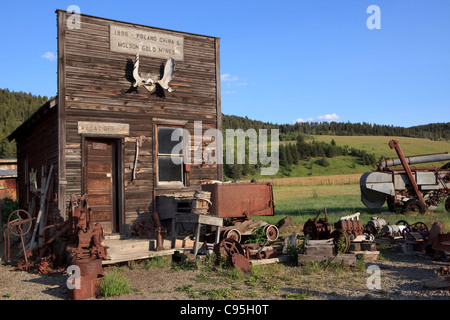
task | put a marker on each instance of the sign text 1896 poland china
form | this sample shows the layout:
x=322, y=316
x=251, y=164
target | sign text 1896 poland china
x=148, y=43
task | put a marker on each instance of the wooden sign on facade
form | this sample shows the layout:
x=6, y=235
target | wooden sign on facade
x=103, y=128
x=152, y=44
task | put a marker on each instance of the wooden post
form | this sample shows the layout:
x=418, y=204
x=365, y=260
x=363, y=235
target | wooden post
x=41, y=209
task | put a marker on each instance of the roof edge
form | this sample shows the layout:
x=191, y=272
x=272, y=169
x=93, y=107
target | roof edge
x=27, y=123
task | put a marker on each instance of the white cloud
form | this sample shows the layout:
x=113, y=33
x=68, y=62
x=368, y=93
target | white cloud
x=327, y=118
x=228, y=77
x=49, y=56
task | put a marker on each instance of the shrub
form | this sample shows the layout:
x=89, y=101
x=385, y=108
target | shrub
x=9, y=205
x=323, y=162
x=114, y=284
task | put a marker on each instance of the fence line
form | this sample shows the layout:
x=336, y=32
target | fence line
x=316, y=180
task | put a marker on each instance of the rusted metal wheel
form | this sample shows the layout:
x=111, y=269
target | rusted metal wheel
x=447, y=204
x=233, y=252
x=403, y=223
x=19, y=222
x=341, y=240
x=227, y=247
x=419, y=227
x=271, y=232
x=414, y=205
x=432, y=203
x=232, y=234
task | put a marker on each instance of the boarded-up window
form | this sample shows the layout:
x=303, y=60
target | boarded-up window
x=170, y=155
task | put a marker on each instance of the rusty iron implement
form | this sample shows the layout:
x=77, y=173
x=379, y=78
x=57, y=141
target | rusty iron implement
x=411, y=188
x=240, y=200
x=317, y=229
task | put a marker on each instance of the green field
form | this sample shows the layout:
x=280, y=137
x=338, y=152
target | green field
x=303, y=202
x=379, y=144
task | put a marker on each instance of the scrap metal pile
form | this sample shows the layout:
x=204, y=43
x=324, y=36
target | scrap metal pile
x=350, y=229
x=67, y=243
x=346, y=230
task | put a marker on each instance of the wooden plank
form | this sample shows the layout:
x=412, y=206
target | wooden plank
x=41, y=213
x=258, y=262
x=61, y=21
x=441, y=282
x=347, y=259
x=218, y=101
x=200, y=218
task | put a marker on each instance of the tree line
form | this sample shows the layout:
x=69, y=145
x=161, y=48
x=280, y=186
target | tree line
x=15, y=108
x=290, y=154
x=290, y=132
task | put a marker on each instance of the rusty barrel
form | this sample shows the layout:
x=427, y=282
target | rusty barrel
x=91, y=272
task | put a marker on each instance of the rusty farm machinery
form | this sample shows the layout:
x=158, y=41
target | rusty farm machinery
x=75, y=242
x=411, y=188
x=237, y=203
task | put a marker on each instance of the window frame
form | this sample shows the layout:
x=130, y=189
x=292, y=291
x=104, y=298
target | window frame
x=175, y=124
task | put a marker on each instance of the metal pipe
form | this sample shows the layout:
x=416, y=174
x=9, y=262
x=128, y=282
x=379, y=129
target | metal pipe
x=416, y=159
x=395, y=145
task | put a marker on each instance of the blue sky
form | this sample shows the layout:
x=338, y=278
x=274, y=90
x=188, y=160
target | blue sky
x=281, y=61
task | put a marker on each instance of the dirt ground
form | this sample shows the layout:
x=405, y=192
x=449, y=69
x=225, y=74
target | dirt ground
x=401, y=278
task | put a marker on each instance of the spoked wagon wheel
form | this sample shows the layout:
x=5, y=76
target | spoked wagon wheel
x=19, y=224
x=419, y=227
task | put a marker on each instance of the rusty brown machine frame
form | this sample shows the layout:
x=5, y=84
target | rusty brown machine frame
x=239, y=255
x=346, y=230
x=237, y=203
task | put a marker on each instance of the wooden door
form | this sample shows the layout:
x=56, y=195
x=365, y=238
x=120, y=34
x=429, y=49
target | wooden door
x=100, y=181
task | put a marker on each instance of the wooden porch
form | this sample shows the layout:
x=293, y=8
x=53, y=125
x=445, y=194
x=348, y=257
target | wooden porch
x=121, y=250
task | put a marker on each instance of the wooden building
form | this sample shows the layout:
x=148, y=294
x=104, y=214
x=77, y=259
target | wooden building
x=104, y=137
x=8, y=178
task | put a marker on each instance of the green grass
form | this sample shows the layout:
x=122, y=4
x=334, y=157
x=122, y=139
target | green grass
x=379, y=144
x=157, y=263
x=303, y=202
x=114, y=283
x=307, y=168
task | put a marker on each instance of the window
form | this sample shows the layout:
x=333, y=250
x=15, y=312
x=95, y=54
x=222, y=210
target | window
x=170, y=152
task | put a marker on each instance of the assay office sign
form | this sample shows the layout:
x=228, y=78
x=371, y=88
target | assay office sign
x=148, y=43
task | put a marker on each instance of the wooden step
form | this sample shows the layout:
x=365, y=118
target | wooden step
x=121, y=250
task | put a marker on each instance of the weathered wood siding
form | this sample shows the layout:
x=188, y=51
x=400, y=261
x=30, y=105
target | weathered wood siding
x=37, y=146
x=95, y=83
